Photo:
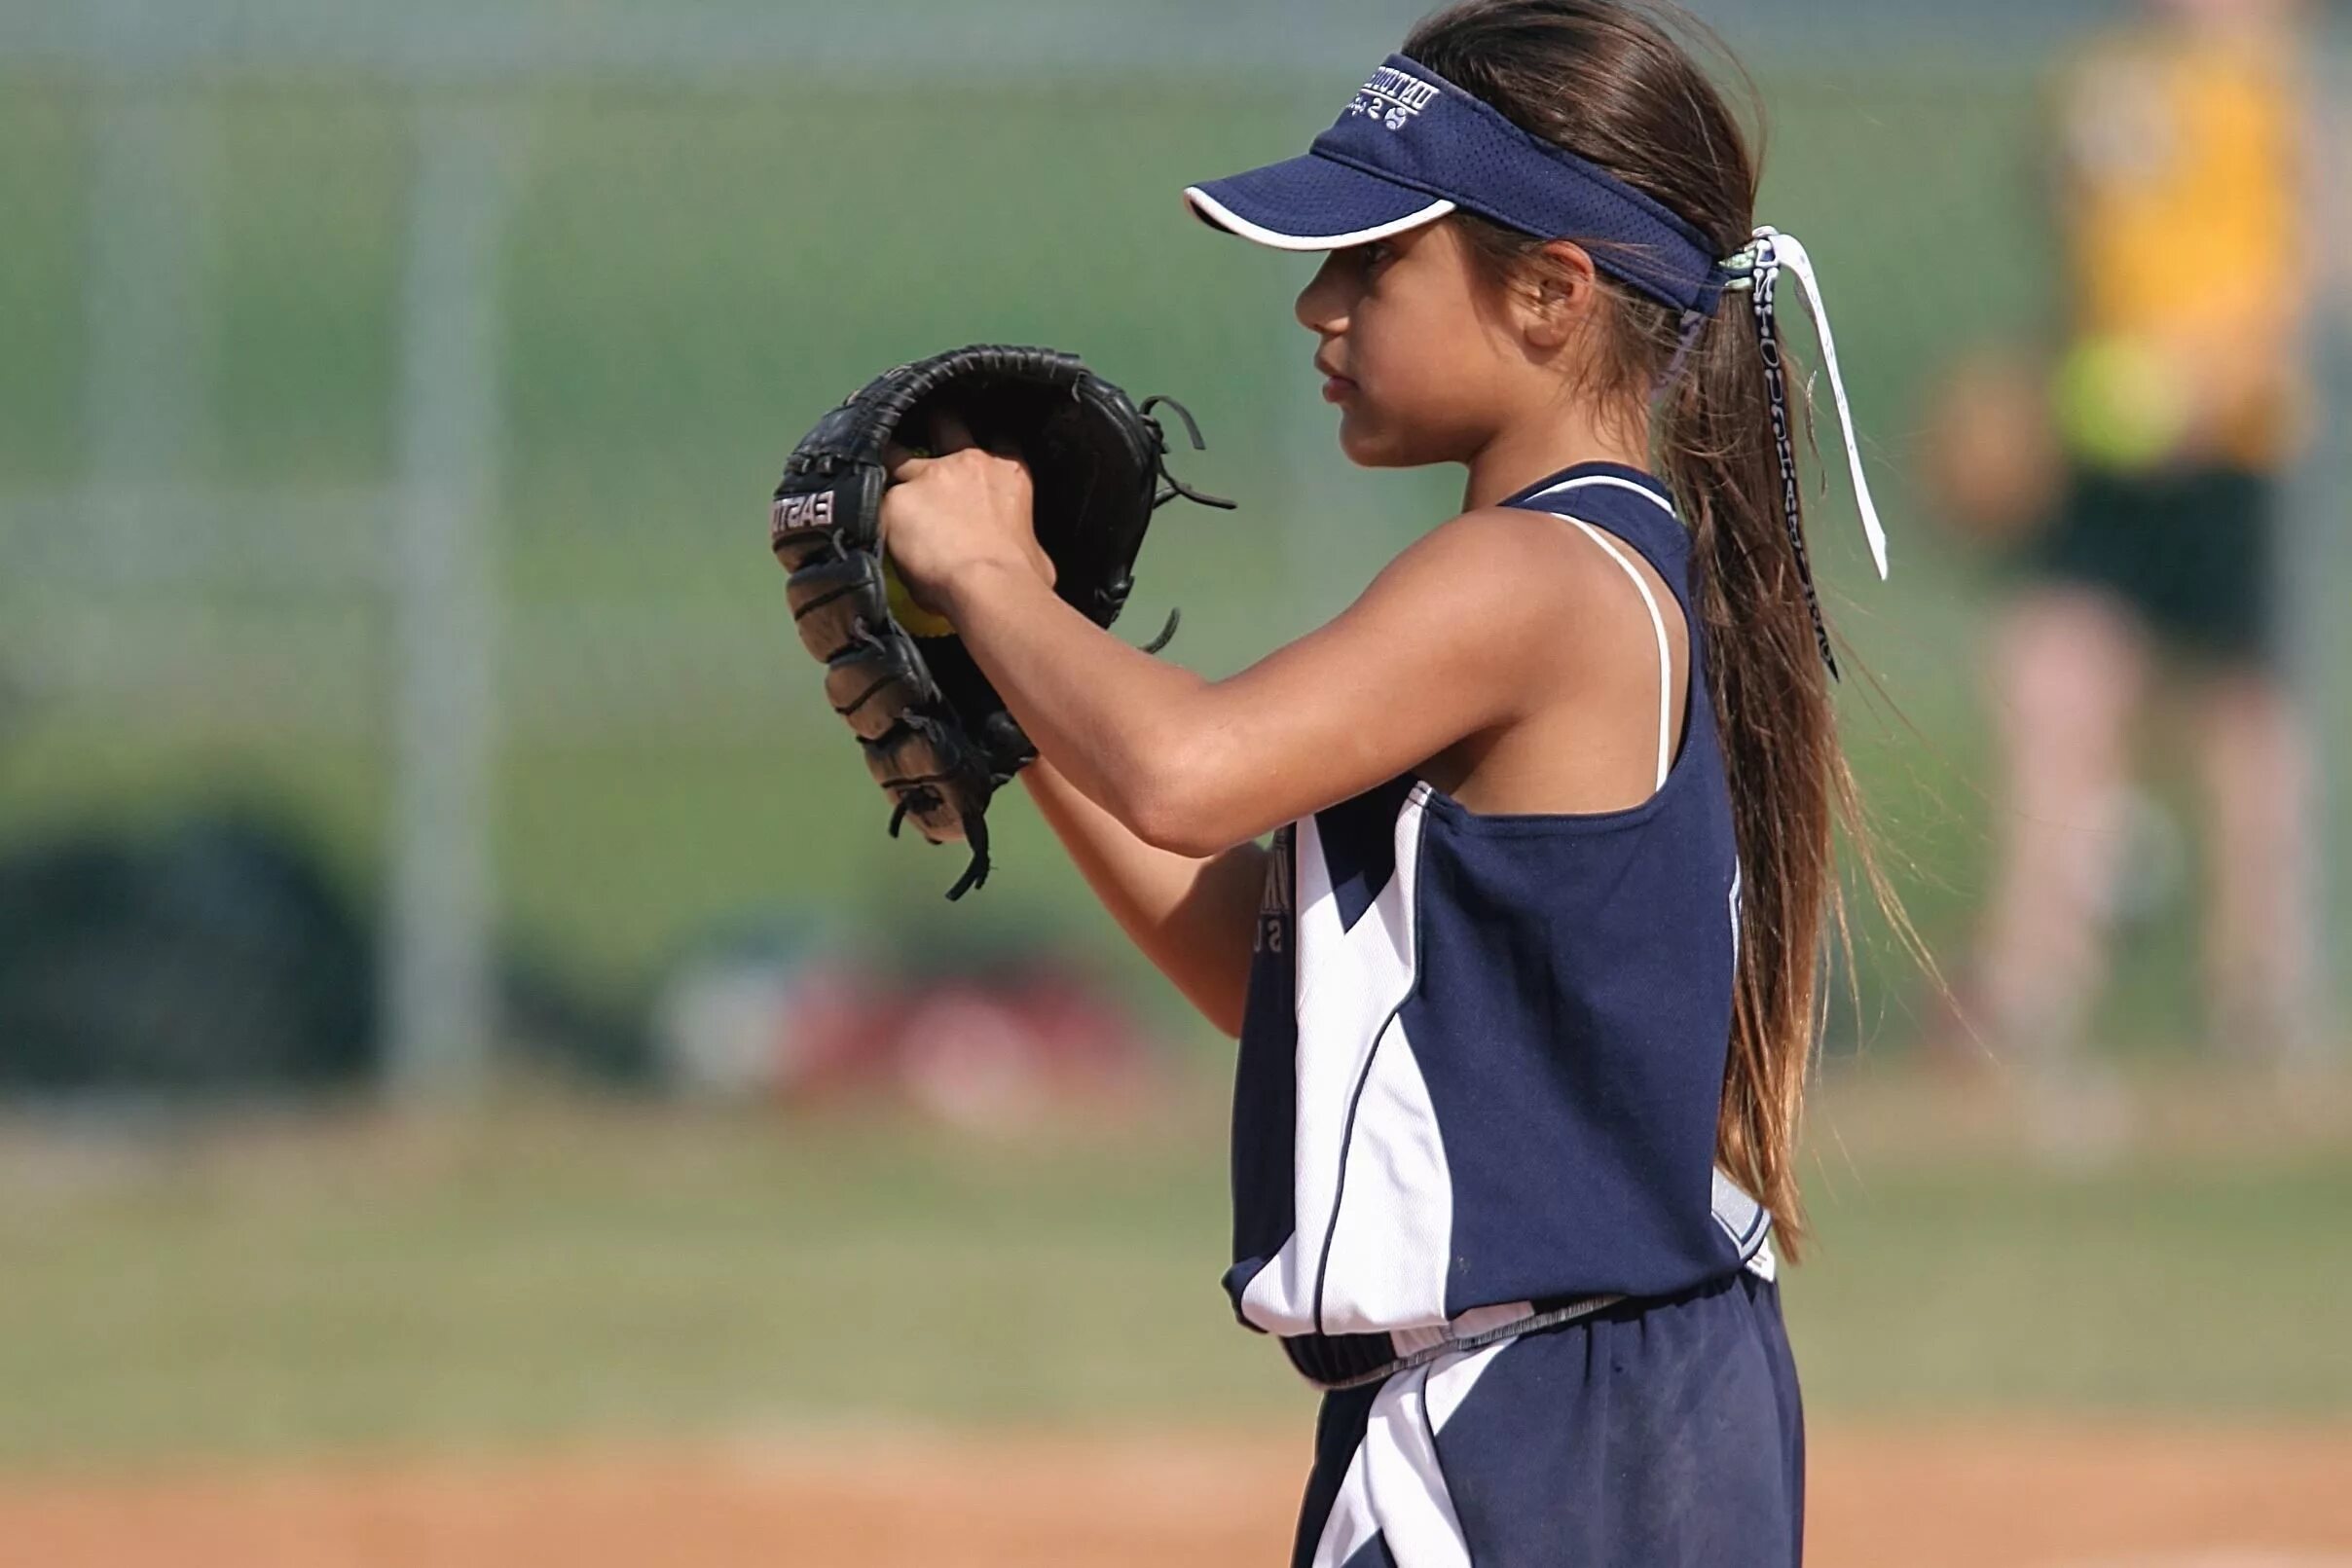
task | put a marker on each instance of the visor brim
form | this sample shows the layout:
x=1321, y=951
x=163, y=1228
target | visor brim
x=1312, y=203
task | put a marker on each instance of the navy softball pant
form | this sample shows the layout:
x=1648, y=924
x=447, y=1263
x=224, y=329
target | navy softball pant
x=1651, y=1434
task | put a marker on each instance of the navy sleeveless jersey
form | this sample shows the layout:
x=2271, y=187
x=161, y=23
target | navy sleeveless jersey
x=1483, y=1055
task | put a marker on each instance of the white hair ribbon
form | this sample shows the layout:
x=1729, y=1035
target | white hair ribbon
x=1789, y=252
x=1758, y=267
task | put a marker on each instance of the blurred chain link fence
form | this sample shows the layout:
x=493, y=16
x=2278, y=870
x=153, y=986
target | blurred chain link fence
x=388, y=397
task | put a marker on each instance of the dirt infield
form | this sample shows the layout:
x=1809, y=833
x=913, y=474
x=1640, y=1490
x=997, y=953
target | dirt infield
x=2036, y=1497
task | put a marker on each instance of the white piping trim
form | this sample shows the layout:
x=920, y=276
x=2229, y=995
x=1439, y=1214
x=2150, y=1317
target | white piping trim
x=1666, y=663
x=1604, y=479
x=1224, y=217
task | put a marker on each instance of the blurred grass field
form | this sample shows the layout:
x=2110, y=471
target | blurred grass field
x=553, y=1270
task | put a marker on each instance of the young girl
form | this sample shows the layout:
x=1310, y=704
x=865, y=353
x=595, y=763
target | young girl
x=1525, y=982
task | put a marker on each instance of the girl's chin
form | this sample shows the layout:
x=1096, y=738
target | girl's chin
x=1359, y=438
x=1367, y=447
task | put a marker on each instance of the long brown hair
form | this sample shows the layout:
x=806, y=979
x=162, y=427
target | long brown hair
x=1614, y=83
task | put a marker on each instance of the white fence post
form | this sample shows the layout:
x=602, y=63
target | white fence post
x=441, y=971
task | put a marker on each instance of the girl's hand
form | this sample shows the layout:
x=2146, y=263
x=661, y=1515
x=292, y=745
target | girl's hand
x=967, y=510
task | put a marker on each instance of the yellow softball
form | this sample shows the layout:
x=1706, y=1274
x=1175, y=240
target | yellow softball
x=911, y=615
x=2120, y=403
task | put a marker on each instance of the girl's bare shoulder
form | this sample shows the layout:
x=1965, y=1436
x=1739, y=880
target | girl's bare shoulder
x=1522, y=574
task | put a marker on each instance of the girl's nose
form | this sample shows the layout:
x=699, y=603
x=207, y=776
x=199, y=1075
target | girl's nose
x=1322, y=306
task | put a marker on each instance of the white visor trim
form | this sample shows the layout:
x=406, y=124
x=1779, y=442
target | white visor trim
x=1224, y=217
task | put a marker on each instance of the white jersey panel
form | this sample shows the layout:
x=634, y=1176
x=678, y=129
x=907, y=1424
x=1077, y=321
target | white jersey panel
x=1390, y=1240
x=1351, y=982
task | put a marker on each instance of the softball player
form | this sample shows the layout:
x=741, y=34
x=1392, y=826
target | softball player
x=2178, y=151
x=1524, y=981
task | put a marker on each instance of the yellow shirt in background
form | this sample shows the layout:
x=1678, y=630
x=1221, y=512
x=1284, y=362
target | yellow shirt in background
x=2179, y=199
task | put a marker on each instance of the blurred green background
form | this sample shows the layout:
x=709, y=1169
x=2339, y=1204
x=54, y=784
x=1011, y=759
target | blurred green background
x=689, y=277
x=699, y=247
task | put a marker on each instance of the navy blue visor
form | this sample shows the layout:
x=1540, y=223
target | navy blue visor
x=1412, y=147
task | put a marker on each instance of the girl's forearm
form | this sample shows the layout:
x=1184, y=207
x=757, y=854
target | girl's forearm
x=1104, y=718
x=1107, y=714
x=1194, y=919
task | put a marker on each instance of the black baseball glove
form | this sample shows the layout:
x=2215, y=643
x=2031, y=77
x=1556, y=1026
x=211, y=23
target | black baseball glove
x=935, y=735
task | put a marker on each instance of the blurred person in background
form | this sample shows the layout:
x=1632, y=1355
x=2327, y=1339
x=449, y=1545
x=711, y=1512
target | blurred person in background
x=2134, y=467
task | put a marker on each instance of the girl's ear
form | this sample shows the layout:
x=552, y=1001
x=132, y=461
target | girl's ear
x=1560, y=294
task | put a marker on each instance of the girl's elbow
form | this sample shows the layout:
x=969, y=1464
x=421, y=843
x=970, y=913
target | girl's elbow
x=1172, y=805
x=1166, y=820
x=1223, y=997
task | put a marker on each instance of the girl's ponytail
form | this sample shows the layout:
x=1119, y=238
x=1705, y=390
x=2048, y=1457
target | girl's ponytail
x=1788, y=779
